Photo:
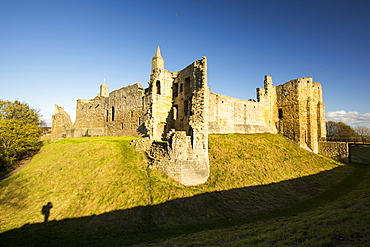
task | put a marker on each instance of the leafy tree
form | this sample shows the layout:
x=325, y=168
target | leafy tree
x=19, y=132
x=331, y=129
x=20, y=111
x=16, y=140
x=339, y=129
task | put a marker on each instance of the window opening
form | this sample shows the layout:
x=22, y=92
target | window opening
x=158, y=85
x=280, y=113
x=186, y=106
x=187, y=85
x=112, y=113
x=175, y=90
x=175, y=111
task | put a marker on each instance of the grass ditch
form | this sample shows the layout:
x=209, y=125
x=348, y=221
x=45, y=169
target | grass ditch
x=336, y=217
x=360, y=154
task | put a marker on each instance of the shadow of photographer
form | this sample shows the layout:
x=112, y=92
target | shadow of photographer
x=46, y=211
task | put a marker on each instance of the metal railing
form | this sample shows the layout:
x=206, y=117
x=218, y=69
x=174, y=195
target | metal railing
x=355, y=139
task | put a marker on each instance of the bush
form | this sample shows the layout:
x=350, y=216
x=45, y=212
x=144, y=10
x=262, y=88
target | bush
x=19, y=132
x=17, y=140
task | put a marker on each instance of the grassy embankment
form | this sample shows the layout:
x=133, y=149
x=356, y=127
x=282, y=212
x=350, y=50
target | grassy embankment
x=103, y=192
x=361, y=154
x=341, y=222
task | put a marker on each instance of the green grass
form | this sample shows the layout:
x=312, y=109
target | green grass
x=361, y=154
x=344, y=221
x=103, y=193
x=78, y=177
x=260, y=159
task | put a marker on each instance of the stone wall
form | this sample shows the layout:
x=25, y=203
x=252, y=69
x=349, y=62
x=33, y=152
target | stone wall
x=90, y=115
x=61, y=123
x=125, y=111
x=179, y=160
x=230, y=115
x=335, y=150
x=121, y=113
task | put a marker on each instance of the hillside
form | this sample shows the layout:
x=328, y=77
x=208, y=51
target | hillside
x=103, y=192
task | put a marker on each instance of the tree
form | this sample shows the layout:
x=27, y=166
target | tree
x=19, y=132
x=339, y=129
x=331, y=129
x=16, y=140
x=20, y=111
x=362, y=131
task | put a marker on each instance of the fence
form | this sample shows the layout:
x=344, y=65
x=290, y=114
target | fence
x=356, y=139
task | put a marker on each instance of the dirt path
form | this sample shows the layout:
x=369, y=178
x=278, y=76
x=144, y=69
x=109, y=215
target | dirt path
x=23, y=164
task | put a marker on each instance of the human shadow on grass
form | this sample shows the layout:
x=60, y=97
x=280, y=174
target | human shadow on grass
x=206, y=211
x=45, y=210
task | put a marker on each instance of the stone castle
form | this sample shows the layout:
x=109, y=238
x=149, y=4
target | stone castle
x=177, y=112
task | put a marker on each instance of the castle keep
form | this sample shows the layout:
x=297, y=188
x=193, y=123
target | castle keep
x=179, y=108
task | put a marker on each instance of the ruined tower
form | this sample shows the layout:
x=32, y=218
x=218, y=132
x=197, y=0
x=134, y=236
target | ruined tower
x=297, y=109
x=160, y=87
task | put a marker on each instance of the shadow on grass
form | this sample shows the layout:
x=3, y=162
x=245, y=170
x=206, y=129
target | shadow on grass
x=360, y=154
x=187, y=215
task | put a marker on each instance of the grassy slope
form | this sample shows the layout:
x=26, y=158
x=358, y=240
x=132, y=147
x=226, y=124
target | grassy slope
x=361, y=154
x=79, y=176
x=93, y=176
x=341, y=222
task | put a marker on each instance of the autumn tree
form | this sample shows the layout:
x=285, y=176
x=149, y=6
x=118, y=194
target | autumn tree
x=19, y=132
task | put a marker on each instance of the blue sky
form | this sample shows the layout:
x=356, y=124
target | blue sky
x=54, y=52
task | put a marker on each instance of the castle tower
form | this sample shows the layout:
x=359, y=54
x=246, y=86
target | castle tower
x=268, y=82
x=157, y=61
x=161, y=96
x=103, y=90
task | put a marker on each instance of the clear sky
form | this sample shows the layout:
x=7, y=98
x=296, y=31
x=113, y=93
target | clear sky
x=54, y=52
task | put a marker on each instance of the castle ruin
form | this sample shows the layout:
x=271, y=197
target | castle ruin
x=179, y=108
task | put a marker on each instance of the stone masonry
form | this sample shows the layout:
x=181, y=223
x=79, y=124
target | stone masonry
x=177, y=112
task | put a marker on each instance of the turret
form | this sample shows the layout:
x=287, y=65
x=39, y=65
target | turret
x=268, y=81
x=157, y=61
x=103, y=90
